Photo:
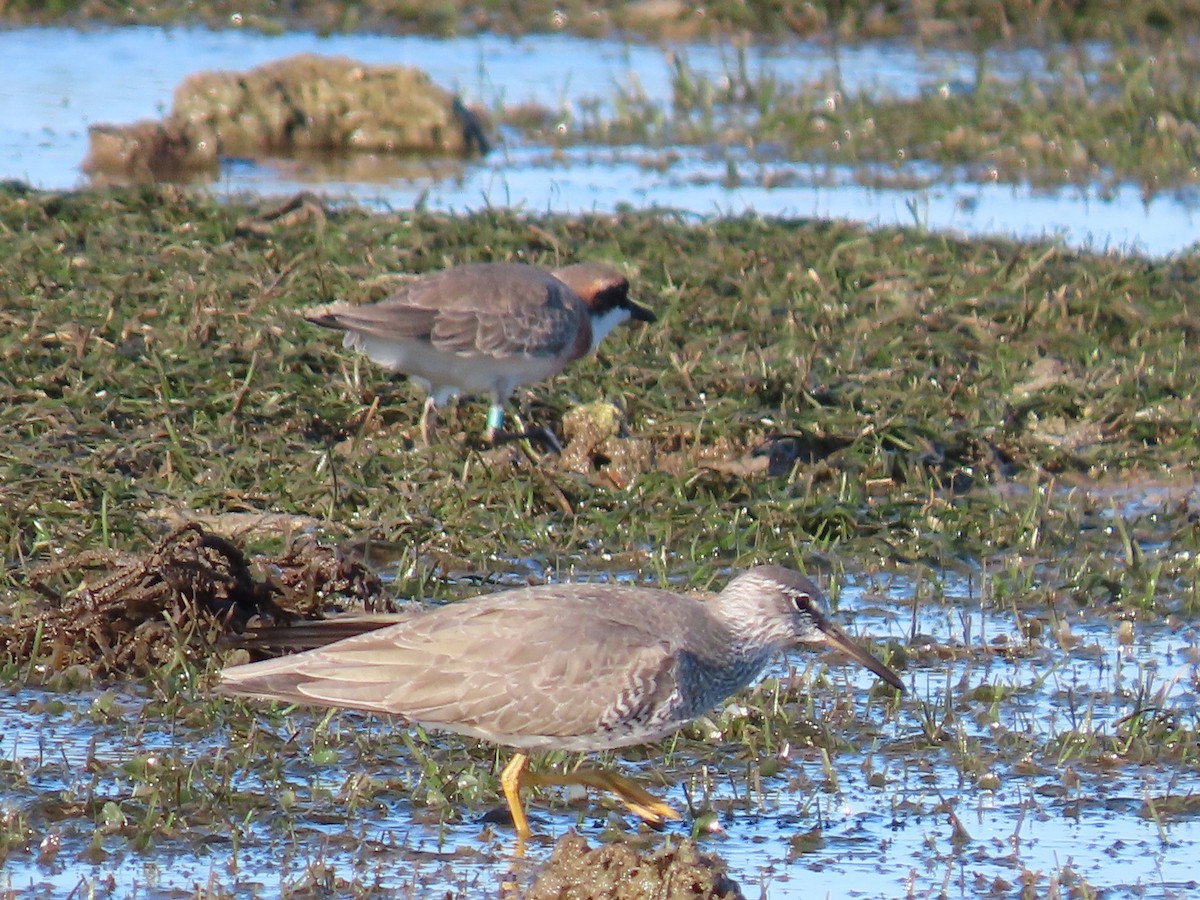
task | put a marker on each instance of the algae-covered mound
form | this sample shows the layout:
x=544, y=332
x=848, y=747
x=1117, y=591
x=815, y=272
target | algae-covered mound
x=139, y=611
x=303, y=104
x=618, y=871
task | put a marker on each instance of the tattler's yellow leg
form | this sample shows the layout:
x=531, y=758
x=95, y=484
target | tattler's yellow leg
x=510, y=783
x=637, y=800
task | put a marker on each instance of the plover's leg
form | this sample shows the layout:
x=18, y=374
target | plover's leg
x=428, y=414
x=543, y=436
x=495, y=419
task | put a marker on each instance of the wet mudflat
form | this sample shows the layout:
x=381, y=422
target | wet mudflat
x=983, y=448
x=1091, y=142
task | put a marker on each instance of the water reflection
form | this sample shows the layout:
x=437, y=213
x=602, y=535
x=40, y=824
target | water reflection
x=1028, y=801
x=58, y=81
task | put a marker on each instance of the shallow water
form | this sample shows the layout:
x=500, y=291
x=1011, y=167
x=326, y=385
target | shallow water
x=1029, y=801
x=1045, y=814
x=57, y=81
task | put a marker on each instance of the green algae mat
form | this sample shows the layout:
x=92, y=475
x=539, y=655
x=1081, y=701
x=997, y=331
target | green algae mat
x=984, y=448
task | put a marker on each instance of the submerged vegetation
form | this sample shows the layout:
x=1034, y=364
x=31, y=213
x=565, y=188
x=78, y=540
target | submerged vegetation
x=985, y=447
x=901, y=396
x=884, y=407
x=976, y=21
x=1096, y=115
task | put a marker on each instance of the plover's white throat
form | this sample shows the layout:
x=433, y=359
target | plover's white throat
x=486, y=328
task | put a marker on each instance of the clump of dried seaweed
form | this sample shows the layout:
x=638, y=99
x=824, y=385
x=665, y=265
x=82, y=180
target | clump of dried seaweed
x=193, y=587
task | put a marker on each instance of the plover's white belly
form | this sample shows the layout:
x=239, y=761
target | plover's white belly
x=468, y=374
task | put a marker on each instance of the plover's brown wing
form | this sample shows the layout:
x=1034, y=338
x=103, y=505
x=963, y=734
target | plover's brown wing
x=500, y=310
x=524, y=312
x=392, y=320
x=551, y=331
x=413, y=310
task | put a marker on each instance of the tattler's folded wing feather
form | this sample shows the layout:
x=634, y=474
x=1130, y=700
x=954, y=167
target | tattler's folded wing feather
x=441, y=669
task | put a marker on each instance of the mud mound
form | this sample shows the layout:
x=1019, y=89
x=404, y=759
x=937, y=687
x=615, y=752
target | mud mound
x=144, y=610
x=621, y=872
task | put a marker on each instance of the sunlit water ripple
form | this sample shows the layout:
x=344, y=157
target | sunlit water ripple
x=58, y=81
x=1041, y=813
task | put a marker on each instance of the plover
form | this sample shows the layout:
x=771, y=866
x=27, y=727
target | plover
x=486, y=328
